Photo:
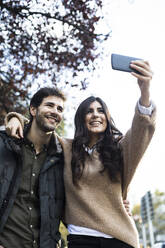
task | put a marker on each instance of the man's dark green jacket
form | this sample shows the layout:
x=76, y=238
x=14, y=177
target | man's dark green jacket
x=51, y=188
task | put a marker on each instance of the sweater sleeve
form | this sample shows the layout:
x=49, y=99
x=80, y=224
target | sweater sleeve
x=20, y=117
x=134, y=144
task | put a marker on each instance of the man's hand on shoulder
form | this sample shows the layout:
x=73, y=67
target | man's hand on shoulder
x=14, y=128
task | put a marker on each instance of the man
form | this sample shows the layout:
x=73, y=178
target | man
x=31, y=177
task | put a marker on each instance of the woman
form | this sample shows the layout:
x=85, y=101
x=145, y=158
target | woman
x=99, y=166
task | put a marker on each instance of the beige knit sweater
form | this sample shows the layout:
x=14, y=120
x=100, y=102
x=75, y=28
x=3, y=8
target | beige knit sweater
x=98, y=203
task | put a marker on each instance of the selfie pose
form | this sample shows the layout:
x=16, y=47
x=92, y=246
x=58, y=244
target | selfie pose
x=99, y=164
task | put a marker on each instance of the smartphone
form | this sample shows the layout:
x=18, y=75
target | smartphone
x=122, y=63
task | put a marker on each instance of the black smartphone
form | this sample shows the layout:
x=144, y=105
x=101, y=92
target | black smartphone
x=122, y=63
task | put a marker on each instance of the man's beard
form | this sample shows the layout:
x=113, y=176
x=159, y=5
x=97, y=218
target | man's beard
x=42, y=125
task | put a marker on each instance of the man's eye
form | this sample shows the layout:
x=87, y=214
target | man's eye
x=60, y=109
x=49, y=105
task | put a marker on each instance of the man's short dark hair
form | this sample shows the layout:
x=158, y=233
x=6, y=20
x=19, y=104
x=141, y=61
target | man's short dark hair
x=43, y=93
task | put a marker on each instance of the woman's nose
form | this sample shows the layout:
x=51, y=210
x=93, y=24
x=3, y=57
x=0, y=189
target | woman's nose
x=95, y=113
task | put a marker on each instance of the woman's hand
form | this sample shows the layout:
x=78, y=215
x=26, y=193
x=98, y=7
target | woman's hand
x=127, y=207
x=14, y=128
x=143, y=79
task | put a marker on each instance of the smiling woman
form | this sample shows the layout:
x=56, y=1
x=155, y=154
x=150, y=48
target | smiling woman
x=96, y=121
x=100, y=163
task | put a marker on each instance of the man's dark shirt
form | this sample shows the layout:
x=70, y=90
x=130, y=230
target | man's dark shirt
x=22, y=227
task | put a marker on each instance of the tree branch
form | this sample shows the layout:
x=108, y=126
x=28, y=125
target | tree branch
x=17, y=10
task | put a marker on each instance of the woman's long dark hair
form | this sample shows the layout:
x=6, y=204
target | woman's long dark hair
x=108, y=147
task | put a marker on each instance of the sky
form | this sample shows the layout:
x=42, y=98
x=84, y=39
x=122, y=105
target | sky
x=138, y=30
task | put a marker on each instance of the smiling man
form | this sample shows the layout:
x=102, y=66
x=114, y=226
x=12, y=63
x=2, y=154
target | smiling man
x=31, y=169
x=49, y=113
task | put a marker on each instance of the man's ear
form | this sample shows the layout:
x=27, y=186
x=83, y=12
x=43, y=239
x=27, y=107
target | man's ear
x=32, y=111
